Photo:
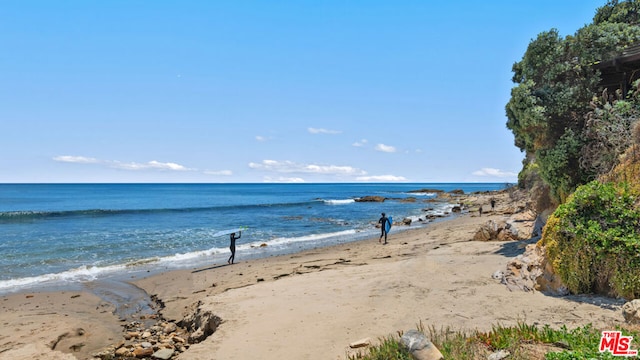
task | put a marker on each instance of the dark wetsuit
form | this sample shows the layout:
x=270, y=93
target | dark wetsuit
x=383, y=222
x=232, y=246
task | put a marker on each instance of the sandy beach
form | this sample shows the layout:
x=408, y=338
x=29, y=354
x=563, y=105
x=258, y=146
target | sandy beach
x=312, y=305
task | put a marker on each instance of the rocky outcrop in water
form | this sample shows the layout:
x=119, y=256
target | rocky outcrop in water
x=371, y=199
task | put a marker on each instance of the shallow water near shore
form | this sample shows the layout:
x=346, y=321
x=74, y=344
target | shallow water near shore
x=57, y=235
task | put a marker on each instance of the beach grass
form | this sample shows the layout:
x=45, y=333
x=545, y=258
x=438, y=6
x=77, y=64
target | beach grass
x=521, y=341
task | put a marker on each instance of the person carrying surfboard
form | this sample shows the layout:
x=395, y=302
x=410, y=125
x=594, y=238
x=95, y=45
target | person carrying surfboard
x=385, y=225
x=232, y=246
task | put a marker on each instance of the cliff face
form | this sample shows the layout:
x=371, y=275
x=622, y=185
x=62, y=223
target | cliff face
x=592, y=240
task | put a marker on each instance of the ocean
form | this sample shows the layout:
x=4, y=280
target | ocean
x=69, y=234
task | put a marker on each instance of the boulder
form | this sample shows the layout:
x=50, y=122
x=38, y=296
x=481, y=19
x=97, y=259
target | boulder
x=419, y=346
x=631, y=311
x=202, y=324
x=406, y=221
x=487, y=231
x=530, y=272
x=507, y=232
x=435, y=191
x=499, y=230
x=169, y=328
x=527, y=215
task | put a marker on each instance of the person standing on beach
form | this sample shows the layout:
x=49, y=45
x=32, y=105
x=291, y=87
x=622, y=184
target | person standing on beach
x=383, y=222
x=232, y=246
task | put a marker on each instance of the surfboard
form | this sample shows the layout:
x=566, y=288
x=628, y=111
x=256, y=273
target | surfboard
x=388, y=224
x=229, y=231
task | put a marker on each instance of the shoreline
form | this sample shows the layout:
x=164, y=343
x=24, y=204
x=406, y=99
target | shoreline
x=73, y=279
x=311, y=304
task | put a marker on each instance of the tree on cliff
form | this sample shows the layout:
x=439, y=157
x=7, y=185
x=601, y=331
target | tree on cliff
x=556, y=81
x=581, y=136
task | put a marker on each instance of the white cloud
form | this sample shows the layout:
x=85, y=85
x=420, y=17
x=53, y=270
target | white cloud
x=385, y=148
x=153, y=165
x=218, y=172
x=149, y=165
x=494, y=173
x=76, y=159
x=289, y=180
x=360, y=143
x=292, y=167
x=323, y=131
x=261, y=138
x=381, y=178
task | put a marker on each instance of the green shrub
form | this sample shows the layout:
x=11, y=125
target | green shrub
x=593, y=240
x=389, y=348
x=522, y=341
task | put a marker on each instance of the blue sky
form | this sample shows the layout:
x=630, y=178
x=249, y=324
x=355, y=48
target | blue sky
x=265, y=91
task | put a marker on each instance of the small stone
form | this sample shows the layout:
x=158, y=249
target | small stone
x=631, y=311
x=104, y=353
x=419, y=346
x=164, y=354
x=169, y=328
x=123, y=351
x=141, y=353
x=360, y=343
x=167, y=346
x=178, y=339
x=499, y=355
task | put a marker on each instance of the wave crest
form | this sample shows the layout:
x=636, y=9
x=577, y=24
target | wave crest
x=339, y=202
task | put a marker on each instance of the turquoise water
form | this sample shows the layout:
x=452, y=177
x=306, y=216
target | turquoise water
x=65, y=233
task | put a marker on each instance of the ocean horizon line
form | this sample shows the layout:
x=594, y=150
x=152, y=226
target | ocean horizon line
x=257, y=183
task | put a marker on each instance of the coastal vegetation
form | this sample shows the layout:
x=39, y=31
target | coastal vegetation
x=520, y=341
x=570, y=125
x=574, y=112
x=593, y=240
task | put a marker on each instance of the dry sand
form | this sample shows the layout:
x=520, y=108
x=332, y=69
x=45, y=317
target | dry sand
x=311, y=305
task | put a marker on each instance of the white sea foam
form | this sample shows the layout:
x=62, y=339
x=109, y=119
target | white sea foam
x=195, y=255
x=81, y=274
x=288, y=240
x=422, y=194
x=339, y=202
